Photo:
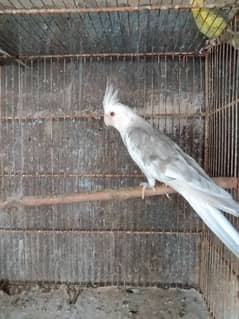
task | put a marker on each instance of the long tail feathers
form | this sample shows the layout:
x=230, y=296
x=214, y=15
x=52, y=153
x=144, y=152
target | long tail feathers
x=225, y=203
x=218, y=223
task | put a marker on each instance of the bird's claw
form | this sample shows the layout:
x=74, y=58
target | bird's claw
x=144, y=186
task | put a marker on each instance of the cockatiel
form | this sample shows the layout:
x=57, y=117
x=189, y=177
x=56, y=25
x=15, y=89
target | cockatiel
x=160, y=159
x=212, y=24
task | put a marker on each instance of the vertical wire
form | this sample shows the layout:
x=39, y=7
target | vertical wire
x=213, y=248
x=2, y=192
x=214, y=114
x=40, y=188
x=13, y=133
x=224, y=142
x=145, y=93
x=228, y=119
x=228, y=113
x=178, y=125
x=128, y=19
x=209, y=242
x=234, y=148
x=223, y=79
x=220, y=157
x=211, y=144
x=138, y=28
x=220, y=140
x=7, y=129
x=28, y=270
x=233, y=108
x=225, y=112
x=182, y=31
x=34, y=240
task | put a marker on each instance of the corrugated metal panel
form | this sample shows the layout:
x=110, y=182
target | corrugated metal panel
x=100, y=258
x=116, y=32
x=103, y=32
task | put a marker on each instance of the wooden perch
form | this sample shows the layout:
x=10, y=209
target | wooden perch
x=106, y=195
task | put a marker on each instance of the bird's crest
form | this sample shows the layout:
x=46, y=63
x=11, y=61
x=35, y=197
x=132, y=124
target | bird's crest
x=111, y=96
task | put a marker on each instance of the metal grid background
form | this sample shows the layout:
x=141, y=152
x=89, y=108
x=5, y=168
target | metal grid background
x=93, y=27
x=219, y=278
x=53, y=141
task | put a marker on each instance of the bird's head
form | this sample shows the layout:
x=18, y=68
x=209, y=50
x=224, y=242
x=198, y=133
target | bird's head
x=116, y=114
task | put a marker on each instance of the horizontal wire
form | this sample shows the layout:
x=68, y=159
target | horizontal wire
x=111, y=231
x=63, y=174
x=87, y=284
x=113, y=9
x=95, y=116
x=107, y=55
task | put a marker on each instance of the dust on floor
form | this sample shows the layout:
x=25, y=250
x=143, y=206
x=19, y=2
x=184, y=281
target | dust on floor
x=74, y=302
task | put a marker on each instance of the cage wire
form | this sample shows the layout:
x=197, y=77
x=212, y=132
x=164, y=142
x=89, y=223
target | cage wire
x=43, y=27
x=53, y=141
x=69, y=150
x=219, y=268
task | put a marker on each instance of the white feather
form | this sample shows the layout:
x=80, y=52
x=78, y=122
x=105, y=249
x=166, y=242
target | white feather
x=161, y=159
x=217, y=222
x=111, y=97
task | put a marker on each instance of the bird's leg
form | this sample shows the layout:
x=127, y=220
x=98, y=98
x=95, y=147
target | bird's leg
x=144, y=186
x=168, y=196
x=150, y=184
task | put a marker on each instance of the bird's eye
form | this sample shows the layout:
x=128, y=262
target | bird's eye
x=112, y=113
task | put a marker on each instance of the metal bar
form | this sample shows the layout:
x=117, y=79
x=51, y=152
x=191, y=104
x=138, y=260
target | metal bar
x=106, y=195
x=105, y=55
x=113, y=9
x=206, y=117
x=105, y=231
x=94, y=284
x=68, y=174
x=94, y=115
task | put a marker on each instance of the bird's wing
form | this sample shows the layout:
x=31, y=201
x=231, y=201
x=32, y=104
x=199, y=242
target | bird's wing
x=162, y=159
x=162, y=156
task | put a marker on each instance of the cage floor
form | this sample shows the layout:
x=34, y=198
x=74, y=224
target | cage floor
x=74, y=302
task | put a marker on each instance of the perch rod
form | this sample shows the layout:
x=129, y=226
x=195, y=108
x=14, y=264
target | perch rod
x=107, y=194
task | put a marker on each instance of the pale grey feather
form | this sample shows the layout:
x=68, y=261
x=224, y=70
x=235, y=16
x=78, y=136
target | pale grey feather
x=160, y=159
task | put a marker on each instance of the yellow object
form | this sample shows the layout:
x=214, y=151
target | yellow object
x=212, y=24
x=209, y=21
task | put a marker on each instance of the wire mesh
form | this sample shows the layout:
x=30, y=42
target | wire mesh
x=54, y=141
x=219, y=268
x=102, y=27
x=109, y=4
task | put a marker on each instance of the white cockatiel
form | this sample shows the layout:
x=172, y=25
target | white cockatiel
x=160, y=159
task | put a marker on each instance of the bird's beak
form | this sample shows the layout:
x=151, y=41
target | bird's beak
x=106, y=120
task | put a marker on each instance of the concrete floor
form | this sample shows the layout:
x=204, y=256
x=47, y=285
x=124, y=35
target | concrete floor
x=73, y=302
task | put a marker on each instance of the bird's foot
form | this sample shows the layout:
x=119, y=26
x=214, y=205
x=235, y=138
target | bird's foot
x=168, y=196
x=144, y=187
